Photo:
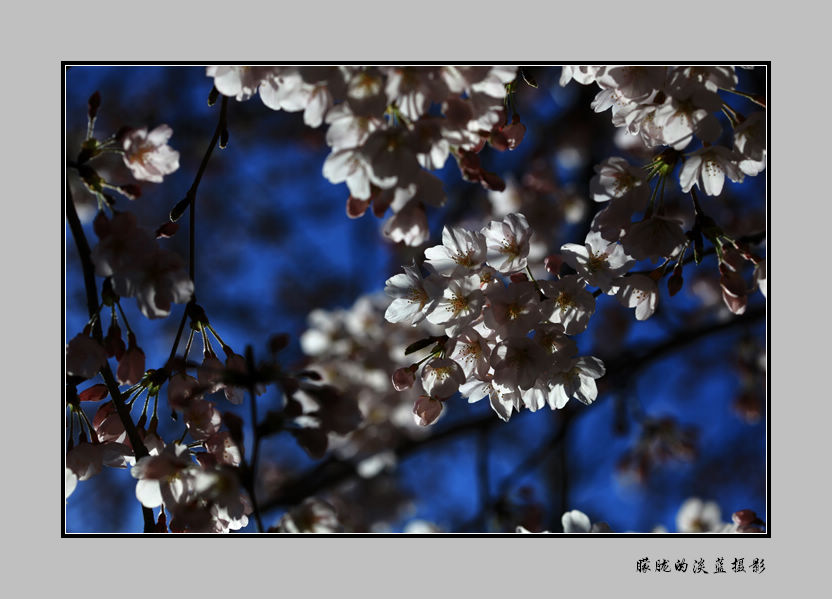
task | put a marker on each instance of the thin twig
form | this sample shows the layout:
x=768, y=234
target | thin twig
x=191, y=204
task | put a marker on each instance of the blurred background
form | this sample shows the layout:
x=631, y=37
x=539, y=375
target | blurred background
x=680, y=414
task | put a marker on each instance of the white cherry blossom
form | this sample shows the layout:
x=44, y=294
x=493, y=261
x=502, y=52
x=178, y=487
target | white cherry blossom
x=578, y=381
x=639, y=292
x=459, y=305
x=707, y=168
x=471, y=351
x=148, y=155
x=518, y=361
x=572, y=304
x=441, y=377
x=598, y=261
x=750, y=144
x=507, y=243
x=460, y=249
x=241, y=82
x=414, y=296
x=512, y=310
x=617, y=178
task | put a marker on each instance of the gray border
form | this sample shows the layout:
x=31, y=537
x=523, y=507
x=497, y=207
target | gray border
x=159, y=31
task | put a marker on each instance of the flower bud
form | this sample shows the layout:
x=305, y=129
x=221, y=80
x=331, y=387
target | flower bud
x=180, y=208
x=404, y=378
x=167, y=229
x=674, y=283
x=94, y=393
x=426, y=410
x=745, y=517
x=93, y=104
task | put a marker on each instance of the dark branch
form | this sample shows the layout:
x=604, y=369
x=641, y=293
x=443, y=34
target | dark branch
x=88, y=269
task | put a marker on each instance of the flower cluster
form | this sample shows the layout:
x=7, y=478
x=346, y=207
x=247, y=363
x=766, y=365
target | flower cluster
x=354, y=349
x=202, y=496
x=694, y=516
x=672, y=106
x=506, y=336
x=384, y=135
x=138, y=266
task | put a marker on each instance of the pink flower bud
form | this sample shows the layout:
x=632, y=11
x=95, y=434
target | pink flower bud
x=94, y=393
x=131, y=366
x=426, y=410
x=404, y=378
x=113, y=343
x=745, y=517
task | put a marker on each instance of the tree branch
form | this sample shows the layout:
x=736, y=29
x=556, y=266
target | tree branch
x=139, y=449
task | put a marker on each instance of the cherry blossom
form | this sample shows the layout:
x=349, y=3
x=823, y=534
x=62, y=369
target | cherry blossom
x=707, y=169
x=241, y=82
x=441, y=377
x=427, y=410
x=311, y=516
x=460, y=249
x=573, y=304
x=598, y=261
x=507, y=243
x=471, y=351
x=512, y=310
x=639, y=292
x=414, y=296
x=750, y=144
x=654, y=237
x=148, y=156
x=460, y=304
x=696, y=515
x=575, y=521
x=616, y=178
x=578, y=381
x=84, y=356
x=517, y=361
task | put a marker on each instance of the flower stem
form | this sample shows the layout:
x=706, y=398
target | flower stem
x=191, y=196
